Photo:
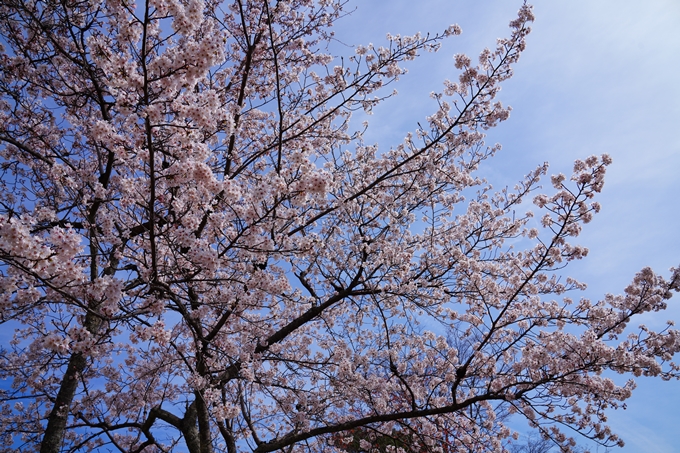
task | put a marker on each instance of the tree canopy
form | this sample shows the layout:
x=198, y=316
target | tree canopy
x=199, y=252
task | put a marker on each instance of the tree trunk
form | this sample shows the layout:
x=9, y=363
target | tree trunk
x=190, y=430
x=56, y=422
x=203, y=424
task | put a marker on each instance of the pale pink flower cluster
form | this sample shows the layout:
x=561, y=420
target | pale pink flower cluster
x=16, y=240
x=223, y=412
x=81, y=340
x=315, y=182
x=107, y=291
x=454, y=29
x=57, y=343
x=155, y=332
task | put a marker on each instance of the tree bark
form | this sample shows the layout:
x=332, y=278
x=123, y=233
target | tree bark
x=203, y=417
x=56, y=422
x=186, y=424
x=190, y=430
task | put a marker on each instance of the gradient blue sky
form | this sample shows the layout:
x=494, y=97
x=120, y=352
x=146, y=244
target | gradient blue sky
x=597, y=77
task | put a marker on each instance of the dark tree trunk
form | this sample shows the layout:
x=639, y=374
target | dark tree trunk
x=56, y=422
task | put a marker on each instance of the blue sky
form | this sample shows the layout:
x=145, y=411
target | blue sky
x=597, y=77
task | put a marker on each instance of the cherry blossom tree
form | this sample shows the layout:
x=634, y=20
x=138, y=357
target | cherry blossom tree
x=200, y=253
